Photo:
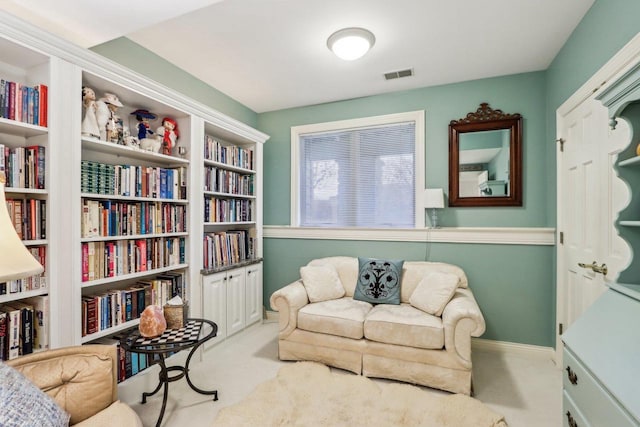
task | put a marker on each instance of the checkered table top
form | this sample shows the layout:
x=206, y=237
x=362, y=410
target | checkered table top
x=188, y=334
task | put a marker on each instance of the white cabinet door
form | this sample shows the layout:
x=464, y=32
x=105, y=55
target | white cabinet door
x=235, y=301
x=214, y=290
x=253, y=294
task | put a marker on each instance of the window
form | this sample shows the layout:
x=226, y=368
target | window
x=359, y=173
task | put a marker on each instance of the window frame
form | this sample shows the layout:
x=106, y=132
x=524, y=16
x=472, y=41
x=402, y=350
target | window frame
x=418, y=117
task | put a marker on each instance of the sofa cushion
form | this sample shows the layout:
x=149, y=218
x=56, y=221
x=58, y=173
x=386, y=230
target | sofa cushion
x=321, y=282
x=24, y=404
x=434, y=291
x=404, y=325
x=378, y=281
x=342, y=317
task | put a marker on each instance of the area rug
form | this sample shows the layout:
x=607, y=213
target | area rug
x=310, y=394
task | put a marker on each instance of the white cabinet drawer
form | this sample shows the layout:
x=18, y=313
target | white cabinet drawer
x=594, y=401
x=571, y=415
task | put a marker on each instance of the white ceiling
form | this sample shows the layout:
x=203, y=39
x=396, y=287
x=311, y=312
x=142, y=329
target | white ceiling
x=272, y=54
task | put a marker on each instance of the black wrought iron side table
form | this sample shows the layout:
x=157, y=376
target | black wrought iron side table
x=191, y=336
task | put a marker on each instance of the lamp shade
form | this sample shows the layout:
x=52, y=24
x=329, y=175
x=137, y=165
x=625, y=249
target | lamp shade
x=434, y=198
x=16, y=262
x=351, y=43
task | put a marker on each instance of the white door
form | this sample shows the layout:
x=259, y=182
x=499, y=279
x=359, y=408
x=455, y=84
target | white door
x=588, y=201
x=235, y=301
x=214, y=290
x=253, y=294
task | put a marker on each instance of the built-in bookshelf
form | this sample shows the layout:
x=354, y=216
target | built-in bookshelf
x=94, y=177
x=232, y=224
x=25, y=75
x=230, y=203
x=134, y=198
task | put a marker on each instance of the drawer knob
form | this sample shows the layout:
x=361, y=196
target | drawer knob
x=572, y=422
x=573, y=378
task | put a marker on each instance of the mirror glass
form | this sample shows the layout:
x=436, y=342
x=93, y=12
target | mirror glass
x=484, y=163
x=485, y=159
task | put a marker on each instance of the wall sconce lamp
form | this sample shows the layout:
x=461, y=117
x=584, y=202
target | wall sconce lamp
x=434, y=200
x=351, y=43
x=16, y=262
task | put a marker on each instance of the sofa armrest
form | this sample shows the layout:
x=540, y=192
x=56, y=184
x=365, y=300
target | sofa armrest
x=462, y=319
x=288, y=301
x=81, y=379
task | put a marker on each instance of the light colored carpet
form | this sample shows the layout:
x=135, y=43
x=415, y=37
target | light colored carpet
x=309, y=394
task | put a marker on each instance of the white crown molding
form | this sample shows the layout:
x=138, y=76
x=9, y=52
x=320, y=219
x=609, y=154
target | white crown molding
x=482, y=235
x=38, y=39
x=620, y=63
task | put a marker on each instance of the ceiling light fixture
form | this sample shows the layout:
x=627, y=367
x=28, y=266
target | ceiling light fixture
x=351, y=43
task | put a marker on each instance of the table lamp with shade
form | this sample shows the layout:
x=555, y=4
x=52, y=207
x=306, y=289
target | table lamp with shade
x=434, y=200
x=16, y=262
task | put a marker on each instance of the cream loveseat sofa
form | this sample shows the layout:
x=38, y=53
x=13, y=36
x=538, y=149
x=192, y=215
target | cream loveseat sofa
x=399, y=342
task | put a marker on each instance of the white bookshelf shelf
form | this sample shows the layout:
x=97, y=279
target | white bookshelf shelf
x=131, y=237
x=228, y=167
x=228, y=195
x=110, y=331
x=18, y=190
x=21, y=129
x=20, y=295
x=132, y=199
x=131, y=153
x=139, y=275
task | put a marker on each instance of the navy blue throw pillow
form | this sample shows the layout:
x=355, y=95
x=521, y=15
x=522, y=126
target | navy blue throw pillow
x=378, y=281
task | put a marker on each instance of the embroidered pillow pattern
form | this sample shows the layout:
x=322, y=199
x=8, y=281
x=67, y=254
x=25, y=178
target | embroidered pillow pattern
x=378, y=281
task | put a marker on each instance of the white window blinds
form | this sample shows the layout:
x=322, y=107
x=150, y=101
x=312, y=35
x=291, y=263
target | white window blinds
x=360, y=177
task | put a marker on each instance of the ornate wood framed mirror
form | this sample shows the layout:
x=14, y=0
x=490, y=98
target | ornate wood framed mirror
x=485, y=159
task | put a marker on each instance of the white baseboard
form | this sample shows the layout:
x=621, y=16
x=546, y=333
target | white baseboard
x=512, y=348
x=483, y=344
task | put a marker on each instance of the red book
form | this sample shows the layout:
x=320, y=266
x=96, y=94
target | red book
x=12, y=101
x=142, y=251
x=85, y=262
x=42, y=106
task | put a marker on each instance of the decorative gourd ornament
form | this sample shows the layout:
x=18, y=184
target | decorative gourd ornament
x=152, y=322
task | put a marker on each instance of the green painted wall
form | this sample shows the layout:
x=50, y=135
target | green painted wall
x=132, y=55
x=515, y=310
x=521, y=93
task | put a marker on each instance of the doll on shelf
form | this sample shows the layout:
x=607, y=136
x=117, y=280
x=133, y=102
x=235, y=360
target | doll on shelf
x=90, y=125
x=113, y=127
x=169, y=133
x=145, y=135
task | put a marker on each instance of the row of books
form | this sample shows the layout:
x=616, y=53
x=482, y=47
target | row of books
x=228, y=248
x=227, y=210
x=28, y=283
x=111, y=259
x=133, y=181
x=24, y=167
x=109, y=218
x=221, y=152
x=24, y=327
x=29, y=218
x=129, y=363
x=118, y=306
x=23, y=103
x=224, y=181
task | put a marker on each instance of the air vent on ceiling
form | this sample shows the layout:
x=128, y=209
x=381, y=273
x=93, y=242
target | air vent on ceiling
x=398, y=74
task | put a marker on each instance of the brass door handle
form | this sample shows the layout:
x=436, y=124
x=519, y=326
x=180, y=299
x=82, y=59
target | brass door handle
x=594, y=266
